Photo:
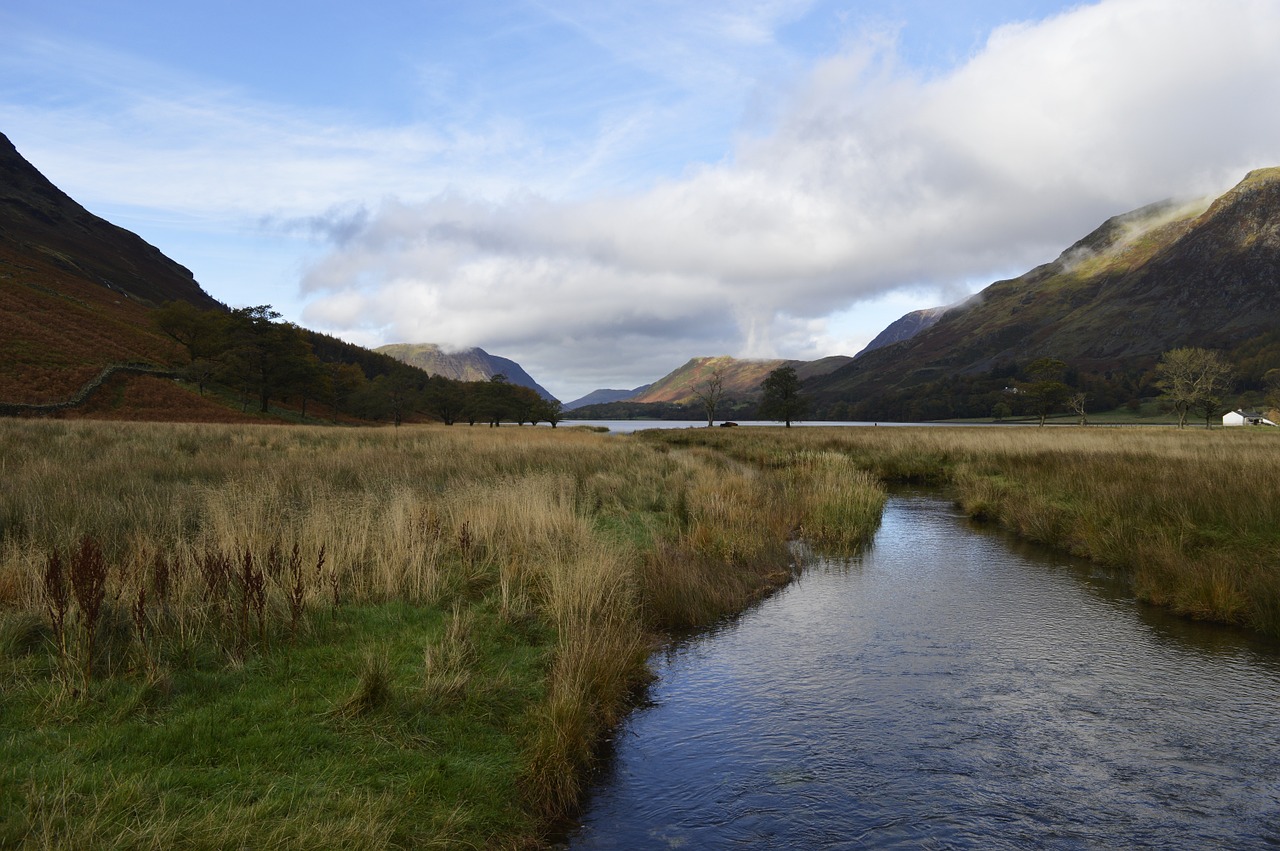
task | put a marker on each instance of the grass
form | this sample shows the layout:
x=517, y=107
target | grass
x=304, y=637
x=215, y=635
x=1192, y=516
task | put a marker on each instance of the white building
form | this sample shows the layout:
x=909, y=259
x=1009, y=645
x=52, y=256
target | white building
x=1242, y=417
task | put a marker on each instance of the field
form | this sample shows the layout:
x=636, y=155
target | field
x=216, y=635
x=226, y=635
x=1191, y=517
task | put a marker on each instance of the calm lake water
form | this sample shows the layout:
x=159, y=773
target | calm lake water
x=628, y=426
x=950, y=688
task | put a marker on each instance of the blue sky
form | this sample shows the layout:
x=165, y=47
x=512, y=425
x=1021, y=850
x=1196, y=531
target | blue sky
x=603, y=190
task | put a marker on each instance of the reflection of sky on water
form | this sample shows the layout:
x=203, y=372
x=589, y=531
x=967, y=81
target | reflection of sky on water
x=946, y=688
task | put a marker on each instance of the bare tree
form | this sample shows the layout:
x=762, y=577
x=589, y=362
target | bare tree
x=1191, y=378
x=709, y=393
x=1077, y=403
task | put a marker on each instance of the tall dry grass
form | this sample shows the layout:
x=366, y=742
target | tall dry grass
x=1192, y=516
x=222, y=542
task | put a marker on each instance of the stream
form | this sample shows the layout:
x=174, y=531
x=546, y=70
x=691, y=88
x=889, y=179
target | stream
x=950, y=687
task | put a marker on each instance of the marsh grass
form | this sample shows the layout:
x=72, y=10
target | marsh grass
x=1192, y=517
x=282, y=632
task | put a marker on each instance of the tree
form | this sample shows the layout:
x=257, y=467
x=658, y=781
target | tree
x=346, y=381
x=709, y=393
x=1271, y=380
x=1190, y=378
x=494, y=399
x=1046, y=392
x=782, y=400
x=1077, y=403
x=202, y=332
x=444, y=398
x=310, y=380
x=265, y=356
x=549, y=410
x=1001, y=411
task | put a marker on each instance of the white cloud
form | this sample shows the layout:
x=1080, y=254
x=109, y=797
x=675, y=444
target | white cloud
x=853, y=178
x=873, y=179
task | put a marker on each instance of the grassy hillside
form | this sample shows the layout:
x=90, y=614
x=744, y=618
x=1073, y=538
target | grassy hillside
x=1165, y=276
x=741, y=377
x=59, y=329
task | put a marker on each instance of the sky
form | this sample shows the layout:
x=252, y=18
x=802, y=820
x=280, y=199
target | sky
x=603, y=189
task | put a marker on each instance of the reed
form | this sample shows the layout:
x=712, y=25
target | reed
x=493, y=593
x=1192, y=517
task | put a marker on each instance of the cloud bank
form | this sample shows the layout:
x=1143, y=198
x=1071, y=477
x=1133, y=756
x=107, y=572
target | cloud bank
x=872, y=178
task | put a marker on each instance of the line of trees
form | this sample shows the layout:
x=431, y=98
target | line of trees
x=264, y=360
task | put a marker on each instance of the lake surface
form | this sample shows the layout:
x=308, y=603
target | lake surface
x=950, y=688
x=628, y=426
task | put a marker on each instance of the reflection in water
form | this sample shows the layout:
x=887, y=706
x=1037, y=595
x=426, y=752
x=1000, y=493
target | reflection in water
x=950, y=688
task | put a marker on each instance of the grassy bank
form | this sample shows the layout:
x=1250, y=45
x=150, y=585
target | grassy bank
x=214, y=636
x=1191, y=516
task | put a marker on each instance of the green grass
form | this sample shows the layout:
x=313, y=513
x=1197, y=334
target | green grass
x=480, y=619
x=264, y=755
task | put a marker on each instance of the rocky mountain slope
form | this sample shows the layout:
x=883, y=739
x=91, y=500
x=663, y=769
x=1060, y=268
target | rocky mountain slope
x=40, y=220
x=904, y=328
x=474, y=364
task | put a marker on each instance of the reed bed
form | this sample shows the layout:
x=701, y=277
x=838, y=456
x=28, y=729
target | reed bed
x=437, y=625
x=1192, y=517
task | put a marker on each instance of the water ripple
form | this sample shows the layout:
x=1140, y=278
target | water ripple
x=951, y=688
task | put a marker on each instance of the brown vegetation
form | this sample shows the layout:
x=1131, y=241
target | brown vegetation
x=1192, y=517
x=204, y=546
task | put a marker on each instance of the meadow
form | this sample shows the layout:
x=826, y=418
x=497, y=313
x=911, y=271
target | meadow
x=267, y=636
x=251, y=635
x=1190, y=517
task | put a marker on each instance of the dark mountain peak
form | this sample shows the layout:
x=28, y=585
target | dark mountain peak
x=605, y=396
x=905, y=328
x=38, y=218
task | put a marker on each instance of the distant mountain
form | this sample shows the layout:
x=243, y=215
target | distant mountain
x=813, y=368
x=740, y=377
x=1163, y=276
x=905, y=328
x=472, y=364
x=604, y=397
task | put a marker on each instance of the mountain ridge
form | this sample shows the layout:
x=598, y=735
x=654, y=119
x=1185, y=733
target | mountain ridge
x=469, y=364
x=1165, y=275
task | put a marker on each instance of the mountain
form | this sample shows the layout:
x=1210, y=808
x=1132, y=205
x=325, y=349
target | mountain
x=604, y=397
x=905, y=328
x=78, y=299
x=1163, y=276
x=76, y=291
x=472, y=364
x=740, y=377
x=39, y=219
